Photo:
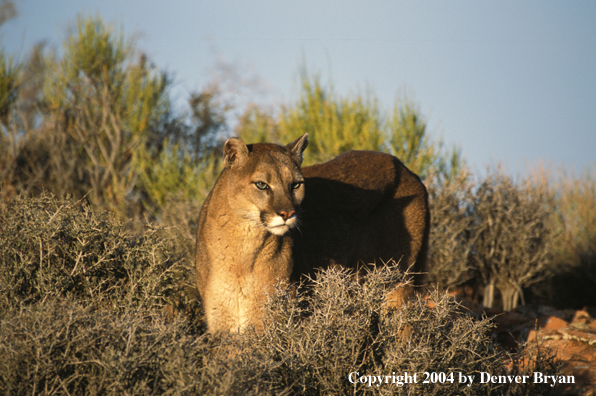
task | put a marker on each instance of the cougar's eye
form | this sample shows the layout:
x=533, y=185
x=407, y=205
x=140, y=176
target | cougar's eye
x=296, y=186
x=261, y=185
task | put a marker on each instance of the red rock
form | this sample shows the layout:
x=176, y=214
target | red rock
x=552, y=323
x=579, y=336
x=569, y=334
x=579, y=360
x=575, y=346
x=581, y=316
x=532, y=336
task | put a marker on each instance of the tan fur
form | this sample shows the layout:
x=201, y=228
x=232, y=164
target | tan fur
x=360, y=208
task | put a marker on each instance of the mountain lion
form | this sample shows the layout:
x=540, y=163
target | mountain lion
x=267, y=220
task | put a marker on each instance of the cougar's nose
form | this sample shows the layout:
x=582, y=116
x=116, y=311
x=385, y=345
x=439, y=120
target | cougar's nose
x=286, y=215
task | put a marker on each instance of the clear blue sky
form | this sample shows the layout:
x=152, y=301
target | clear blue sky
x=506, y=81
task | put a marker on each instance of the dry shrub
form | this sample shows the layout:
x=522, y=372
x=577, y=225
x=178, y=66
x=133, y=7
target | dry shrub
x=513, y=237
x=57, y=348
x=312, y=343
x=497, y=231
x=534, y=357
x=451, y=230
x=51, y=248
x=65, y=348
x=81, y=314
x=179, y=218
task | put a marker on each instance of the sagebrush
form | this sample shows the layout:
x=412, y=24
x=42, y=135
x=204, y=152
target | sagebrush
x=60, y=249
x=85, y=315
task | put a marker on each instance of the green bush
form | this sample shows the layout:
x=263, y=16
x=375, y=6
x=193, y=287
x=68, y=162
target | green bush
x=109, y=106
x=9, y=72
x=355, y=122
x=97, y=122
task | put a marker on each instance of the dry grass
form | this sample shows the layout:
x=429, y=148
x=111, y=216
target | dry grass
x=59, y=248
x=574, y=251
x=84, y=314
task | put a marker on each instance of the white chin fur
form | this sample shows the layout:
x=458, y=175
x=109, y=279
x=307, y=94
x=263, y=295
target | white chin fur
x=279, y=230
x=278, y=226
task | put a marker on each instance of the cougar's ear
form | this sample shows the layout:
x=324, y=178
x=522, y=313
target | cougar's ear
x=235, y=152
x=298, y=146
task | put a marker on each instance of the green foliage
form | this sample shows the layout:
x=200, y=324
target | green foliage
x=258, y=125
x=176, y=173
x=409, y=141
x=9, y=81
x=339, y=124
x=208, y=122
x=107, y=106
x=97, y=123
x=335, y=125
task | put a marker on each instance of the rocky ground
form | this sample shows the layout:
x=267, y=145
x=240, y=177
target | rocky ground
x=570, y=334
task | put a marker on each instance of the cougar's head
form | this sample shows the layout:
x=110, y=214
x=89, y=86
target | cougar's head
x=265, y=185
